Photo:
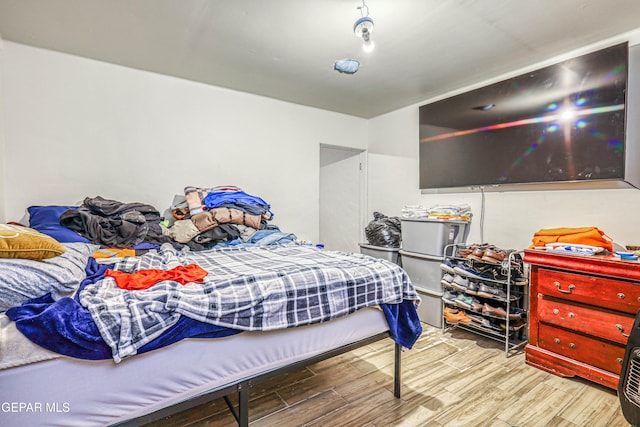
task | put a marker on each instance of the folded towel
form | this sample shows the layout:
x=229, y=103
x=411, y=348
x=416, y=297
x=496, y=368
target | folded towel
x=591, y=236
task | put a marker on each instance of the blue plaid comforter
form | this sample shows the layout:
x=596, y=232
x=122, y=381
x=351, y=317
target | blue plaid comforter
x=247, y=288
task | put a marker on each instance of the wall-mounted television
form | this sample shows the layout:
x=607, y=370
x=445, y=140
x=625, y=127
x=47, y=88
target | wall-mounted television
x=564, y=123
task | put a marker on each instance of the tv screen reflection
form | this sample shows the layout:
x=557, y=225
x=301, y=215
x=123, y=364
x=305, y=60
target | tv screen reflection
x=561, y=123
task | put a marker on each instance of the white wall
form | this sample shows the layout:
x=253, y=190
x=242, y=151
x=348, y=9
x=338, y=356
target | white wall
x=74, y=127
x=393, y=161
x=511, y=218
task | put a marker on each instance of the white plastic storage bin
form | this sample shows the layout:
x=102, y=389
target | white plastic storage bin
x=390, y=254
x=423, y=270
x=430, y=236
x=430, y=309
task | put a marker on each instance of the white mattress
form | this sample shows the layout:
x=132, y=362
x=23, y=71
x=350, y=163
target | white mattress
x=71, y=392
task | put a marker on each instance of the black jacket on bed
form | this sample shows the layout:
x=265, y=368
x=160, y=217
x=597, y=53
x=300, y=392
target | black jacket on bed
x=116, y=224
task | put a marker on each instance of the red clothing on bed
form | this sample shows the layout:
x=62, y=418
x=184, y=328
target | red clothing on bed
x=144, y=279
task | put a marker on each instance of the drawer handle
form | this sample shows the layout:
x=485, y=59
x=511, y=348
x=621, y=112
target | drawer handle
x=568, y=291
x=556, y=340
x=621, y=295
x=572, y=345
x=621, y=329
x=556, y=311
x=571, y=315
x=619, y=360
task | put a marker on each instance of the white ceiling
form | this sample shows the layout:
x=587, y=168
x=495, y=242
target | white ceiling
x=285, y=49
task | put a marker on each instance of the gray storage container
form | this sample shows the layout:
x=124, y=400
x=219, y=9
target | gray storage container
x=430, y=309
x=430, y=236
x=390, y=254
x=423, y=270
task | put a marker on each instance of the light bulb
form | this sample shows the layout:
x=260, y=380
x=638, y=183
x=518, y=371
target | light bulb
x=368, y=45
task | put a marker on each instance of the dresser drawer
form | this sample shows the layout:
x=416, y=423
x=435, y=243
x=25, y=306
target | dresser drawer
x=613, y=294
x=601, y=354
x=612, y=326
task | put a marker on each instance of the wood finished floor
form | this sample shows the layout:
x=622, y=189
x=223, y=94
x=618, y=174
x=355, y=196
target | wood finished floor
x=451, y=379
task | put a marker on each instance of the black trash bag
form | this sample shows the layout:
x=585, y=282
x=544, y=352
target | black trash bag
x=383, y=231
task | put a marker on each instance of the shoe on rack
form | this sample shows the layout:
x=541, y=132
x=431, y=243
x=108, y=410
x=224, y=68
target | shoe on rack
x=446, y=280
x=517, y=262
x=450, y=297
x=515, y=276
x=451, y=315
x=463, y=252
x=490, y=310
x=477, y=253
x=494, y=327
x=491, y=292
x=515, y=313
x=500, y=276
x=481, y=321
x=454, y=316
x=472, y=288
x=460, y=283
x=463, y=317
x=463, y=301
x=468, y=302
x=519, y=279
x=447, y=265
x=467, y=271
x=476, y=306
x=513, y=326
x=512, y=260
x=494, y=256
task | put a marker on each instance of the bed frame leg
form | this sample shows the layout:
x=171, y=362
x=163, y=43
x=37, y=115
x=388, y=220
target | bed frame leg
x=243, y=407
x=397, y=371
x=242, y=414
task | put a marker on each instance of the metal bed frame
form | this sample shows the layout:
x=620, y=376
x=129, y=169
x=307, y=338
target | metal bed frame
x=241, y=413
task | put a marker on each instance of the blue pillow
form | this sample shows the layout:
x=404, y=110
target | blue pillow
x=46, y=219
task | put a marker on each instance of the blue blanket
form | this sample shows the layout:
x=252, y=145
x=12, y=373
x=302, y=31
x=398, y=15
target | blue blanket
x=66, y=327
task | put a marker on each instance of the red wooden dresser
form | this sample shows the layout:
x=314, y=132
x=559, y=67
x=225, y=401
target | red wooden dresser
x=582, y=309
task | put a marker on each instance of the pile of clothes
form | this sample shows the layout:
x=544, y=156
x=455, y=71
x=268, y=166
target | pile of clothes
x=207, y=216
x=199, y=219
x=440, y=212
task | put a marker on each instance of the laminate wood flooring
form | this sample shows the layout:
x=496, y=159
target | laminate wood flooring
x=451, y=379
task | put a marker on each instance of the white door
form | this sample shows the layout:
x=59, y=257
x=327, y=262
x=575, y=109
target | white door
x=342, y=190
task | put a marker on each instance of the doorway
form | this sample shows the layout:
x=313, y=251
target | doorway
x=342, y=197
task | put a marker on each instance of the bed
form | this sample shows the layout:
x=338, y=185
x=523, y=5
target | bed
x=193, y=371
x=259, y=312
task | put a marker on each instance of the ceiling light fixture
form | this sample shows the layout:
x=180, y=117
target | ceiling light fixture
x=364, y=27
x=346, y=66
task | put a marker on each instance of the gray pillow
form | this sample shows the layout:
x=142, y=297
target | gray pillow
x=22, y=279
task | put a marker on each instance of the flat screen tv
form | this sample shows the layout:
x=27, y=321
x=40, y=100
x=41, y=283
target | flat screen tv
x=562, y=123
